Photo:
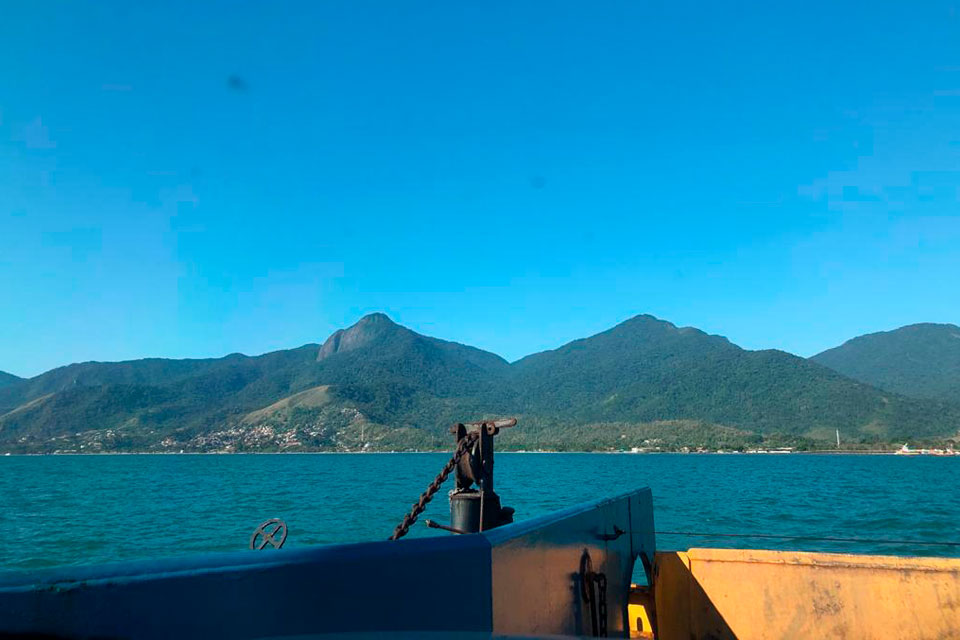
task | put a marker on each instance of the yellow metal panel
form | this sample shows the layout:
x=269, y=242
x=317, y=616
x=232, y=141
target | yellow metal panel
x=731, y=593
x=640, y=612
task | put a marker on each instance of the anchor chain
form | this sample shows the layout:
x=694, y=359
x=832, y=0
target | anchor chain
x=418, y=507
x=601, y=580
x=597, y=599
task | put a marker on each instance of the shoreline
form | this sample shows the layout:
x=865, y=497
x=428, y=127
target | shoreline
x=441, y=451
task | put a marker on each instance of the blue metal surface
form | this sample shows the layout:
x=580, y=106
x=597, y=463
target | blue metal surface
x=535, y=565
x=520, y=578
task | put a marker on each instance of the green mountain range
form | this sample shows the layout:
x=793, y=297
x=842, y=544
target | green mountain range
x=378, y=385
x=8, y=378
x=919, y=360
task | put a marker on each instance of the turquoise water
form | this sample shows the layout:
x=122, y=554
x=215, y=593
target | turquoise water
x=63, y=510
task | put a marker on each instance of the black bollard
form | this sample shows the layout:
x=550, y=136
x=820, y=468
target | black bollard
x=465, y=510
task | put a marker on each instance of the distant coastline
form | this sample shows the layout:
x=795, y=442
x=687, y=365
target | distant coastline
x=643, y=385
x=865, y=452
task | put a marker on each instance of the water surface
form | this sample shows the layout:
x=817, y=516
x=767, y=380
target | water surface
x=63, y=510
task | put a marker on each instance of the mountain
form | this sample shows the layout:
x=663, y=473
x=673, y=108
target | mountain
x=373, y=374
x=8, y=379
x=383, y=349
x=379, y=384
x=397, y=376
x=919, y=360
x=646, y=369
x=135, y=403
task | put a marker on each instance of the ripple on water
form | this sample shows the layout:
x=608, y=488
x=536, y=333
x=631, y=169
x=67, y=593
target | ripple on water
x=65, y=510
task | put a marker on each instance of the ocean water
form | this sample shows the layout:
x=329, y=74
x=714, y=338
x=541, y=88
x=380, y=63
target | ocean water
x=68, y=510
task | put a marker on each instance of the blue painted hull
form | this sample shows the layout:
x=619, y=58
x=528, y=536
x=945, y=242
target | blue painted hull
x=520, y=579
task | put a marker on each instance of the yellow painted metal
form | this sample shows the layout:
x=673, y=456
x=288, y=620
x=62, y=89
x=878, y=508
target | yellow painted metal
x=733, y=593
x=640, y=611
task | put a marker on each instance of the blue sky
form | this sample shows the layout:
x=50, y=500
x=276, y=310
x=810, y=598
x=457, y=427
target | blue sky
x=189, y=181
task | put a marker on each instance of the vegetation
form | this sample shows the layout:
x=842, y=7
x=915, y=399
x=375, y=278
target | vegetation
x=920, y=360
x=8, y=379
x=645, y=370
x=378, y=386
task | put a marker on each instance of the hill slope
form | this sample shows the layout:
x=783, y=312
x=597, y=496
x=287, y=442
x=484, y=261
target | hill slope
x=8, y=379
x=380, y=384
x=146, y=400
x=920, y=360
x=646, y=369
x=374, y=372
x=399, y=377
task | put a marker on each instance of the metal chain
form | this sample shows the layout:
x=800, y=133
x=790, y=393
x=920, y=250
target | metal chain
x=597, y=601
x=601, y=580
x=418, y=507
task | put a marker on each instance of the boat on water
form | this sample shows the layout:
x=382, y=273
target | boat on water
x=905, y=450
x=589, y=570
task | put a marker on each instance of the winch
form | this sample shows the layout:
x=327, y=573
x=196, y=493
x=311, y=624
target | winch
x=472, y=509
x=474, y=505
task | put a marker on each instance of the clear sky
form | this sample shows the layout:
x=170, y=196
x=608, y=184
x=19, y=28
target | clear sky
x=182, y=180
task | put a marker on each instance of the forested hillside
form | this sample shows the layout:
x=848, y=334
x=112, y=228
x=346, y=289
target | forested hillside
x=919, y=360
x=7, y=378
x=378, y=385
